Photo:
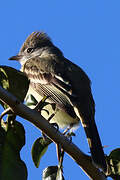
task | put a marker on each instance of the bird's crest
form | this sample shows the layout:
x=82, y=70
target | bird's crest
x=36, y=39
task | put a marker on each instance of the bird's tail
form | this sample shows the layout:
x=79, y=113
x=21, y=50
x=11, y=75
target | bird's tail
x=97, y=153
x=95, y=145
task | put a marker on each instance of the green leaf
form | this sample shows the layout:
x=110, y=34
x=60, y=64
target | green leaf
x=3, y=79
x=11, y=142
x=30, y=100
x=14, y=81
x=39, y=148
x=52, y=173
x=114, y=163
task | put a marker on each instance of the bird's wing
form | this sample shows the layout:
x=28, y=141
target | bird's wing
x=47, y=80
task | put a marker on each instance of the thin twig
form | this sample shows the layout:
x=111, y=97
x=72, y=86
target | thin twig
x=6, y=111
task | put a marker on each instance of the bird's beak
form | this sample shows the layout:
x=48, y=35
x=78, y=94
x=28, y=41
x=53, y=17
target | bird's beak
x=16, y=58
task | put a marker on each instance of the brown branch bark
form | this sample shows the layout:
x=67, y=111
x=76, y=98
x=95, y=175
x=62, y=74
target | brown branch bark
x=83, y=160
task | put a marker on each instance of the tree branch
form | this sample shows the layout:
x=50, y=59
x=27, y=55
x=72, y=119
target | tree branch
x=83, y=160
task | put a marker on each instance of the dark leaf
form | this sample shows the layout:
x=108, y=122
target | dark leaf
x=16, y=136
x=14, y=81
x=11, y=142
x=114, y=163
x=39, y=148
x=52, y=173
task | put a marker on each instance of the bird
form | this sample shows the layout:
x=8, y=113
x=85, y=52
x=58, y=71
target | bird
x=66, y=85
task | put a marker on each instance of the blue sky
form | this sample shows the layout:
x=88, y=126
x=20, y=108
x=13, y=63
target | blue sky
x=88, y=33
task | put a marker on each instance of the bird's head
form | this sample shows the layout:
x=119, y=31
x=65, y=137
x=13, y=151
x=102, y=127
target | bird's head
x=32, y=47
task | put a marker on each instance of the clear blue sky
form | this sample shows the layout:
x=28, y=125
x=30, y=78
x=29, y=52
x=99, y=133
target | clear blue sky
x=88, y=33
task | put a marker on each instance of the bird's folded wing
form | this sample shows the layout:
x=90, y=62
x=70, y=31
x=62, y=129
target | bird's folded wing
x=46, y=82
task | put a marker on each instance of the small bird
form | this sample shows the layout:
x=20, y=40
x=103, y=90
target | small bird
x=67, y=86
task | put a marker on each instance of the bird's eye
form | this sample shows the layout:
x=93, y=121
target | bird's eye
x=29, y=50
